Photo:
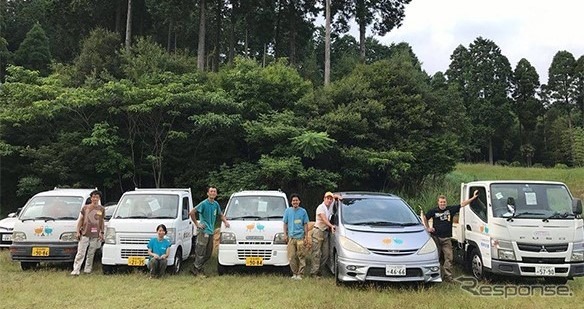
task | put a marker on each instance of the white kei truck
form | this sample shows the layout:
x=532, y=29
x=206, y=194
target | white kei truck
x=134, y=223
x=520, y=228
x=255, y=237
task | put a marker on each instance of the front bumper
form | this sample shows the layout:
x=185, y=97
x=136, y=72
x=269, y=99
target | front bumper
x=118, y=254
x=230, y=255
x=511, y=268
x=58, y=251
x=351, y=269
x=5, y=238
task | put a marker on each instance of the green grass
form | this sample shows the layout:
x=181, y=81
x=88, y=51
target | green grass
x=52, y=287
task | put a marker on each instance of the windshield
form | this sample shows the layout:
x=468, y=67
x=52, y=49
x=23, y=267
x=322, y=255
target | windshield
x=255, y=207
x=378, y=211
x=52, y=207
x=145, y=206
x=531, y=201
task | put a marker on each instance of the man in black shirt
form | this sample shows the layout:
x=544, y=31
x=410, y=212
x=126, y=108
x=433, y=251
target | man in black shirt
x=442, y=230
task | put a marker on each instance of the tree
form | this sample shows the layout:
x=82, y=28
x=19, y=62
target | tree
x=99, y=55
x=128, y=41
x=579, y=87
x=561, y=82
x=34, y=52
x=202, y=33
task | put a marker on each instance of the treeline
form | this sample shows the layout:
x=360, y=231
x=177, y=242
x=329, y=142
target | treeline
x=80, y=108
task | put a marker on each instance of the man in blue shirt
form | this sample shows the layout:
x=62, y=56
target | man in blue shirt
x=295, y=233
x=207, y=212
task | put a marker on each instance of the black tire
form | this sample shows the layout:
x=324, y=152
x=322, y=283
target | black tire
x=28, y=265
x=556, y=280
x=336, y=269
x=177, y=262
x=476, y=265
x=221, y=269
x=107, y=269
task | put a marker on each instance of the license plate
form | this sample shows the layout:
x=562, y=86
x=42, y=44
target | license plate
x=545, y=270
x=40, y=251
x=6, y=237
x=395, y=270
x=254, y=261
x=136, y=261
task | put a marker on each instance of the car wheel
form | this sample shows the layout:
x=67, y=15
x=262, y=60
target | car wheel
x=338, y=281
x=555, y=280
x=176, y=266
x=476, y=265
x=107, y=269
x=221, y=269
x=28, y=265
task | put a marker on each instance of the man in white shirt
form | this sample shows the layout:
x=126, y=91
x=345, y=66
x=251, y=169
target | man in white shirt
x=320, y=235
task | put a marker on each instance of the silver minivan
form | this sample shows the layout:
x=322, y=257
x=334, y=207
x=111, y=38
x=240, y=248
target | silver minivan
x=380, y=238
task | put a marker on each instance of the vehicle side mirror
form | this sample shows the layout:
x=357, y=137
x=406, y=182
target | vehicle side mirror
x=577, y=206
x=12, y=215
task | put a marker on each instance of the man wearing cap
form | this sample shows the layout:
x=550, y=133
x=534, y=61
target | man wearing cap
x=320, y=233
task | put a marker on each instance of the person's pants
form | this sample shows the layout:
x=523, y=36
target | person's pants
x=296, y=256
x=320, y=251
x=203, y=249
x=445, y=252
x=84, y=242
x=157, y=267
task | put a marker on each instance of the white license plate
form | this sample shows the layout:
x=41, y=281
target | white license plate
x=395, y=270
x=6, y=237
x=545, y=270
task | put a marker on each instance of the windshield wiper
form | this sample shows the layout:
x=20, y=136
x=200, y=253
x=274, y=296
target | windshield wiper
x=379, y=223
x=162, y=217
x=274, y=217
x=39, y=218
x=409, y=224
x=558, y=215
x=245, y=217
x=66, y=218
x=517, y=215
x=136, y=217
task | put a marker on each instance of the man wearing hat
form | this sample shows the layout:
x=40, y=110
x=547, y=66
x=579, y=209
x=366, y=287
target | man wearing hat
x=320, y=233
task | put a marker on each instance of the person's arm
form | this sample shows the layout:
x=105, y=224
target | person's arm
x=79, y=224
x=167, y=254
x=285, y=232
x=466, y=202
x=102, y=224
x=194, y=214
x=326, y=221
x=225, y=221
x=426, y=224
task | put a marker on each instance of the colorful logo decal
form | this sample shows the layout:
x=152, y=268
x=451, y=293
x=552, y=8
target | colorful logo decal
x=388, y=241
x=251, y=226
x=484, y=229
x=43, y=230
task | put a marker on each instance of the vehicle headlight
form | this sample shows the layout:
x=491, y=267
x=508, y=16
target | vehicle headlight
x=68, y=236
x=227, y=238
x=171, y=235
x=428, y=247
x=578, y=252
x=279, y=239
x=502, y=249
x=18, y=236
x=352, y=246
x=110, y=236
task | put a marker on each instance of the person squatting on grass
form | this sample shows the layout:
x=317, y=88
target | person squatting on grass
x=320, y=235
x=296, y=235
x=90, y=229
x=207, y=211
x=442, y=230
x=158, y=251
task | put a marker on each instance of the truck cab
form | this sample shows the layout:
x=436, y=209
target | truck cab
x=255, y=237
x=521, y=228
x=134, y=223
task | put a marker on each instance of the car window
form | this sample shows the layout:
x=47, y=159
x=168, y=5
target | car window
x=52, y=207
x=258, y=206
x=380, y=211
x=147, y=206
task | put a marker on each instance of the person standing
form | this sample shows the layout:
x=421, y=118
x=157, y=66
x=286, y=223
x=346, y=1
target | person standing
x=295, y=234
x=158, y=251
x=320, y=235
x=90, y=229
x=442, y=230
x=206, y=211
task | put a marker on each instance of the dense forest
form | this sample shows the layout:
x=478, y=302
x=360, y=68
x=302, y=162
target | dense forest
x=118, y=94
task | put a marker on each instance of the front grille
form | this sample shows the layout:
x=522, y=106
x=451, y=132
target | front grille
x=125, y=240
x=252, y=242
x=536, y=260
x=134, y=252
x=245, y=253
x=380, y=272
x=545, y=248
x=393, y=252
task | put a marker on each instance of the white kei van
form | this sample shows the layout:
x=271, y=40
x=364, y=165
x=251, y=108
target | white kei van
x=256, y=233
x=46, y=228
x=134, y=223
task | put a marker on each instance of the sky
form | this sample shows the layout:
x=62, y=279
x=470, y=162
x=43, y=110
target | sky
x=531, y=29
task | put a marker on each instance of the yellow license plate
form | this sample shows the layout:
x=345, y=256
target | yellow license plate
x=254, y=261
x=136, y=261
x=40, y=251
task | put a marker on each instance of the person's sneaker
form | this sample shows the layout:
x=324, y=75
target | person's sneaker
x=194, y=272
x=293, y=277
x=75, y=273
x=298, y=277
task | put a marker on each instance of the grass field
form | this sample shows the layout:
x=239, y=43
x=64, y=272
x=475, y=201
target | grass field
x=53, y=287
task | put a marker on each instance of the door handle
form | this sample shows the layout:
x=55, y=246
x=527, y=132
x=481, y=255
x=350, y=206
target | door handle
x=468, y=228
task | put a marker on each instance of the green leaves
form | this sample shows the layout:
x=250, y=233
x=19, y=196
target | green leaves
x=311, y=144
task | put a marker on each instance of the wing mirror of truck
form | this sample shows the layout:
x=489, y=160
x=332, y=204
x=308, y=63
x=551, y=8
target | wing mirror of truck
x=577, y=206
